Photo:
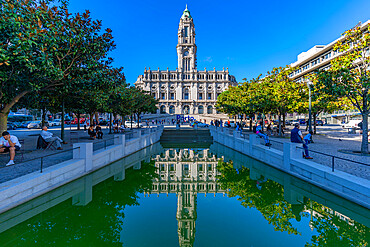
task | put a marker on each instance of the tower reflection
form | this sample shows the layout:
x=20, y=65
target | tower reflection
x=186, y=172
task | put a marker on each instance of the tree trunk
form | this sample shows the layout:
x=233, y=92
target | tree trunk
x=365, y=131
x=62, y=126
x=284, y=117
x=250, y=124
x=314, y=123
x=3, y=121
x=6, y=109
x=138, y=117
x=97, y=117
x=280, y=132
x=110, y=122
x=78, y=120
x=43, y=117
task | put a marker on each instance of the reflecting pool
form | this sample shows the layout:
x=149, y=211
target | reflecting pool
x=185, y=196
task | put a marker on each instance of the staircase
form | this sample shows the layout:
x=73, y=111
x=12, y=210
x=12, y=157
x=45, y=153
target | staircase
x=186, y=137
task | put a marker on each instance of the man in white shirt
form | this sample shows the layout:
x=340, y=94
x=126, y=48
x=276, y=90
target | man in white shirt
x=49, y=137
x=9, y=143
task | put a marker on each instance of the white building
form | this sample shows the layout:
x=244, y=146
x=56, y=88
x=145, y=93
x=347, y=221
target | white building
x=186, y=90
x=319, y=57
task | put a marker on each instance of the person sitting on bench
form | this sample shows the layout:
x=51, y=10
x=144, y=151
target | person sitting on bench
x=49, y=137
x=99, y=131
x=91, y=132
x=263, y=135
x=9, y=143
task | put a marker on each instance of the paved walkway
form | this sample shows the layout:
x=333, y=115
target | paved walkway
x=31, y=160
x=330, y=140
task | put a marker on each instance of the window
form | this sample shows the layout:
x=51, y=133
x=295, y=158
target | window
x=163, y=96
x=200, y=109
x=186, y=32
x=172, y=109
x=209, y=96
x=163, y=109
x=186, y=94
x=209, y=109
x=172, y=96
x=200, y=96
x=153, y=94
x=200, y=167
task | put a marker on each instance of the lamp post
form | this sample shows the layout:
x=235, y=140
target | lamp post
x=309, y=83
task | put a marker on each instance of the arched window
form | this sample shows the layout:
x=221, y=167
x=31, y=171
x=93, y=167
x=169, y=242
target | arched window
x=172, y=109
x=200, y=109
x=163, y=109
x=186, y=110
x=209, y=109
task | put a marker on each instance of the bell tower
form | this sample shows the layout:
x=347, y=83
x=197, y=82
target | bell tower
x=186, y=48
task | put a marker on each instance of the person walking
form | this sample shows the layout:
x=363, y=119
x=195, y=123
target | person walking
x=49, y=137
x=261, y=134
x=9, y=143
x=297, y=137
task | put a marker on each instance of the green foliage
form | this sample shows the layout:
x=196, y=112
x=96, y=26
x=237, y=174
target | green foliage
x=349, y=74
x=269, y=200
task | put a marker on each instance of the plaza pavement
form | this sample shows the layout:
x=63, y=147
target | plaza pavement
x=329, y=140
x=31, y=161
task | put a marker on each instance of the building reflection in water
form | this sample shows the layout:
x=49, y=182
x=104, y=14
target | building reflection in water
x=186, y=172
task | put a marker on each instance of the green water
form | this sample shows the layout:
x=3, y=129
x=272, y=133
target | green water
x=186, y=197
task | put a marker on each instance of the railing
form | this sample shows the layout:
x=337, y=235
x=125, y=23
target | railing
x=340, y=160
x=103, y=144
x=335, y=162
x=35, y=164
x=27, y=166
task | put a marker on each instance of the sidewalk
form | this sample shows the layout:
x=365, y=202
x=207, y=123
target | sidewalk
x=32, y=157
x=330, y=140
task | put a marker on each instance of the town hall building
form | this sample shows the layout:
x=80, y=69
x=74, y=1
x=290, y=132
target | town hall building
x=186, y=90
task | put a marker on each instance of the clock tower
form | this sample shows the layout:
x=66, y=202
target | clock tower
x=186, y=48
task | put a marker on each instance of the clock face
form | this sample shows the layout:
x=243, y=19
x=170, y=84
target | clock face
x=186, y=53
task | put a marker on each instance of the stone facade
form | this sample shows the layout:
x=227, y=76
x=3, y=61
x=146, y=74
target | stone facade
x=186, y=90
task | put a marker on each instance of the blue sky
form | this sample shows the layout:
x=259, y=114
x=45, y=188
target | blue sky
x=248, y=37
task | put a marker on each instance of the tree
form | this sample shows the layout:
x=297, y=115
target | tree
x=280, y=94
x=349, y=74
x=322, y=101
x=44, y=47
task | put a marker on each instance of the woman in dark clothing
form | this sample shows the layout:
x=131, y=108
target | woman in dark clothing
x=91, y=132
x=99, y=132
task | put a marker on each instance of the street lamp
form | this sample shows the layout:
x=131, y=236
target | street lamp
x=309, y=83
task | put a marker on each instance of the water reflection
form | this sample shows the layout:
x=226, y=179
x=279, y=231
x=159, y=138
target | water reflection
x=187, y=172
x=286, y=203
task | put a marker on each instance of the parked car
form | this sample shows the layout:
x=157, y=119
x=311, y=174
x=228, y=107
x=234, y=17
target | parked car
x=56, y=122
x=34, y=125
x=319, y=122
x=103, y=122
x=25, y=124
x=134, y=124
x=288, y=122
x=294, y=122
x=302, y=121
x=11, y=126
x=351, y=124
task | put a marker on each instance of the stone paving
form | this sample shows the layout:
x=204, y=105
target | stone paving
x=330, y=140
x=31, y=160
